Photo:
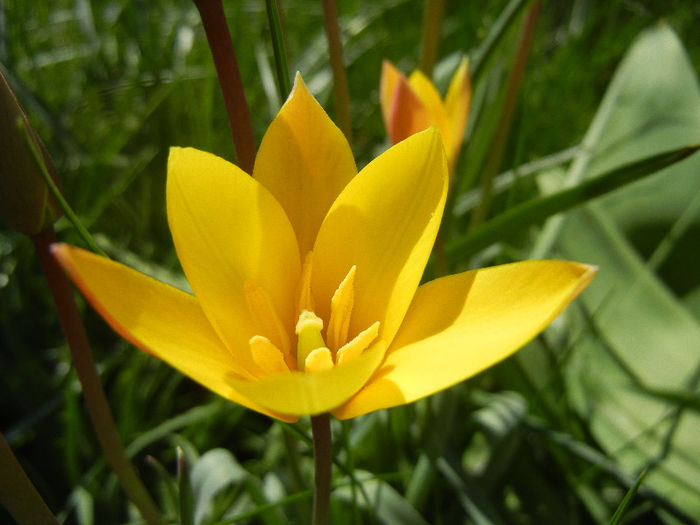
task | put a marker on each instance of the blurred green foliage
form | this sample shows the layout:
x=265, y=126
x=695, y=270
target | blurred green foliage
x=111, y=84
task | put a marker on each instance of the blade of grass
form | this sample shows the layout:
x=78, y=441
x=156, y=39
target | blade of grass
x=284, y=81
x=506, y=117
x=631, y=493
x=494, y=36
x=540, y=208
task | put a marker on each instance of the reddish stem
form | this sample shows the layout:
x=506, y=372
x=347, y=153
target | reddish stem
x=94, y=395
x=221, y=45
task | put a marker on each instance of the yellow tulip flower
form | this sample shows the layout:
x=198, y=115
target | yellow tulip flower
x=412, y=105
x=305, y=277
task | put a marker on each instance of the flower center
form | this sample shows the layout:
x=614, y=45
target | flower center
x=314, y=353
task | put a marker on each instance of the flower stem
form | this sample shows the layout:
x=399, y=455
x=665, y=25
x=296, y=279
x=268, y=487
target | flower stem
x=321, y=431
x=340, y=79
x=432, y=19
x=18, y=494
x=93, y=393
x=219, y=38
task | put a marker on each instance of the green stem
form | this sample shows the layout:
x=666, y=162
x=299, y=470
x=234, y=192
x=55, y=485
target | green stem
x=219, y=38
x=56, y=192
x=501, y=137
x=284, y=83
x=340, y=80
x=321, y=431
x=432, y=19
x=18, y=494
x=93, y=393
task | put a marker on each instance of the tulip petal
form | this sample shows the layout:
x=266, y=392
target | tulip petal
x=159, y=319
x=232, y=237
x=298, y=393
x=430, y=98
x=304, y=161
x=385, y=223
x=406, y=114
x=457, y=104
x=461, y=324
x=387, y=85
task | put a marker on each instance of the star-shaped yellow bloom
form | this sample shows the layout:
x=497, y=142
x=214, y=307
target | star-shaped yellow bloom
x=412, y=105
x=305, y=277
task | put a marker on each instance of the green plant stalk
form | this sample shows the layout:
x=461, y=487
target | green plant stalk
x=284, y=83
x=94, y=395
x=537, y=209
x=501, y=137
x=341, y=95
x=18, y=494
x=617, y=518
x=219, y=38
x=432, y=20
x=493, y=38
x=321, y=431
x=56, y=193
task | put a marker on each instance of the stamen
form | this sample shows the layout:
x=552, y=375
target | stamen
x=341, y=310
x=305, y=301
x=318, y=360
x=265, y=315
x=267, y=356
x=309, y=336
x=358, y=345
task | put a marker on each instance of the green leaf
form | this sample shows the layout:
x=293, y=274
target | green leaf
x=641, y=345
x=620, y=512
x=384, y=503
x=538, y=209
x=213, y=472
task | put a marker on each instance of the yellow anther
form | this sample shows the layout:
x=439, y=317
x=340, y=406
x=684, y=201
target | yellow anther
x=265, y=316
x=267, y=356
x=305, y=301
x=309, y=336
x=358, y=345
x=318, y=360
x=341, y=310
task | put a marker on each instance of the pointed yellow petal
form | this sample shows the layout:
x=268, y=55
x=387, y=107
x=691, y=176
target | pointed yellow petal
x=230, y=234
x=430, y=98
x=304, y=161
x=385, y=223
x=358, y=345
x=341, y=310
x=461, y=324
x=157, y=318
x=300, y=394
x=267, y=356
x=457, y=108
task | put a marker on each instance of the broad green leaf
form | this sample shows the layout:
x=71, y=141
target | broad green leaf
x=640, y=339
x=215, y=470
x=384, y=503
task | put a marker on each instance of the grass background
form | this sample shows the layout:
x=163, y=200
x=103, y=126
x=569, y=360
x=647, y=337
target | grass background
x=555, y=435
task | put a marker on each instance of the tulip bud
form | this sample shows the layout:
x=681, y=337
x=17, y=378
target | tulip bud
x=25, y=203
